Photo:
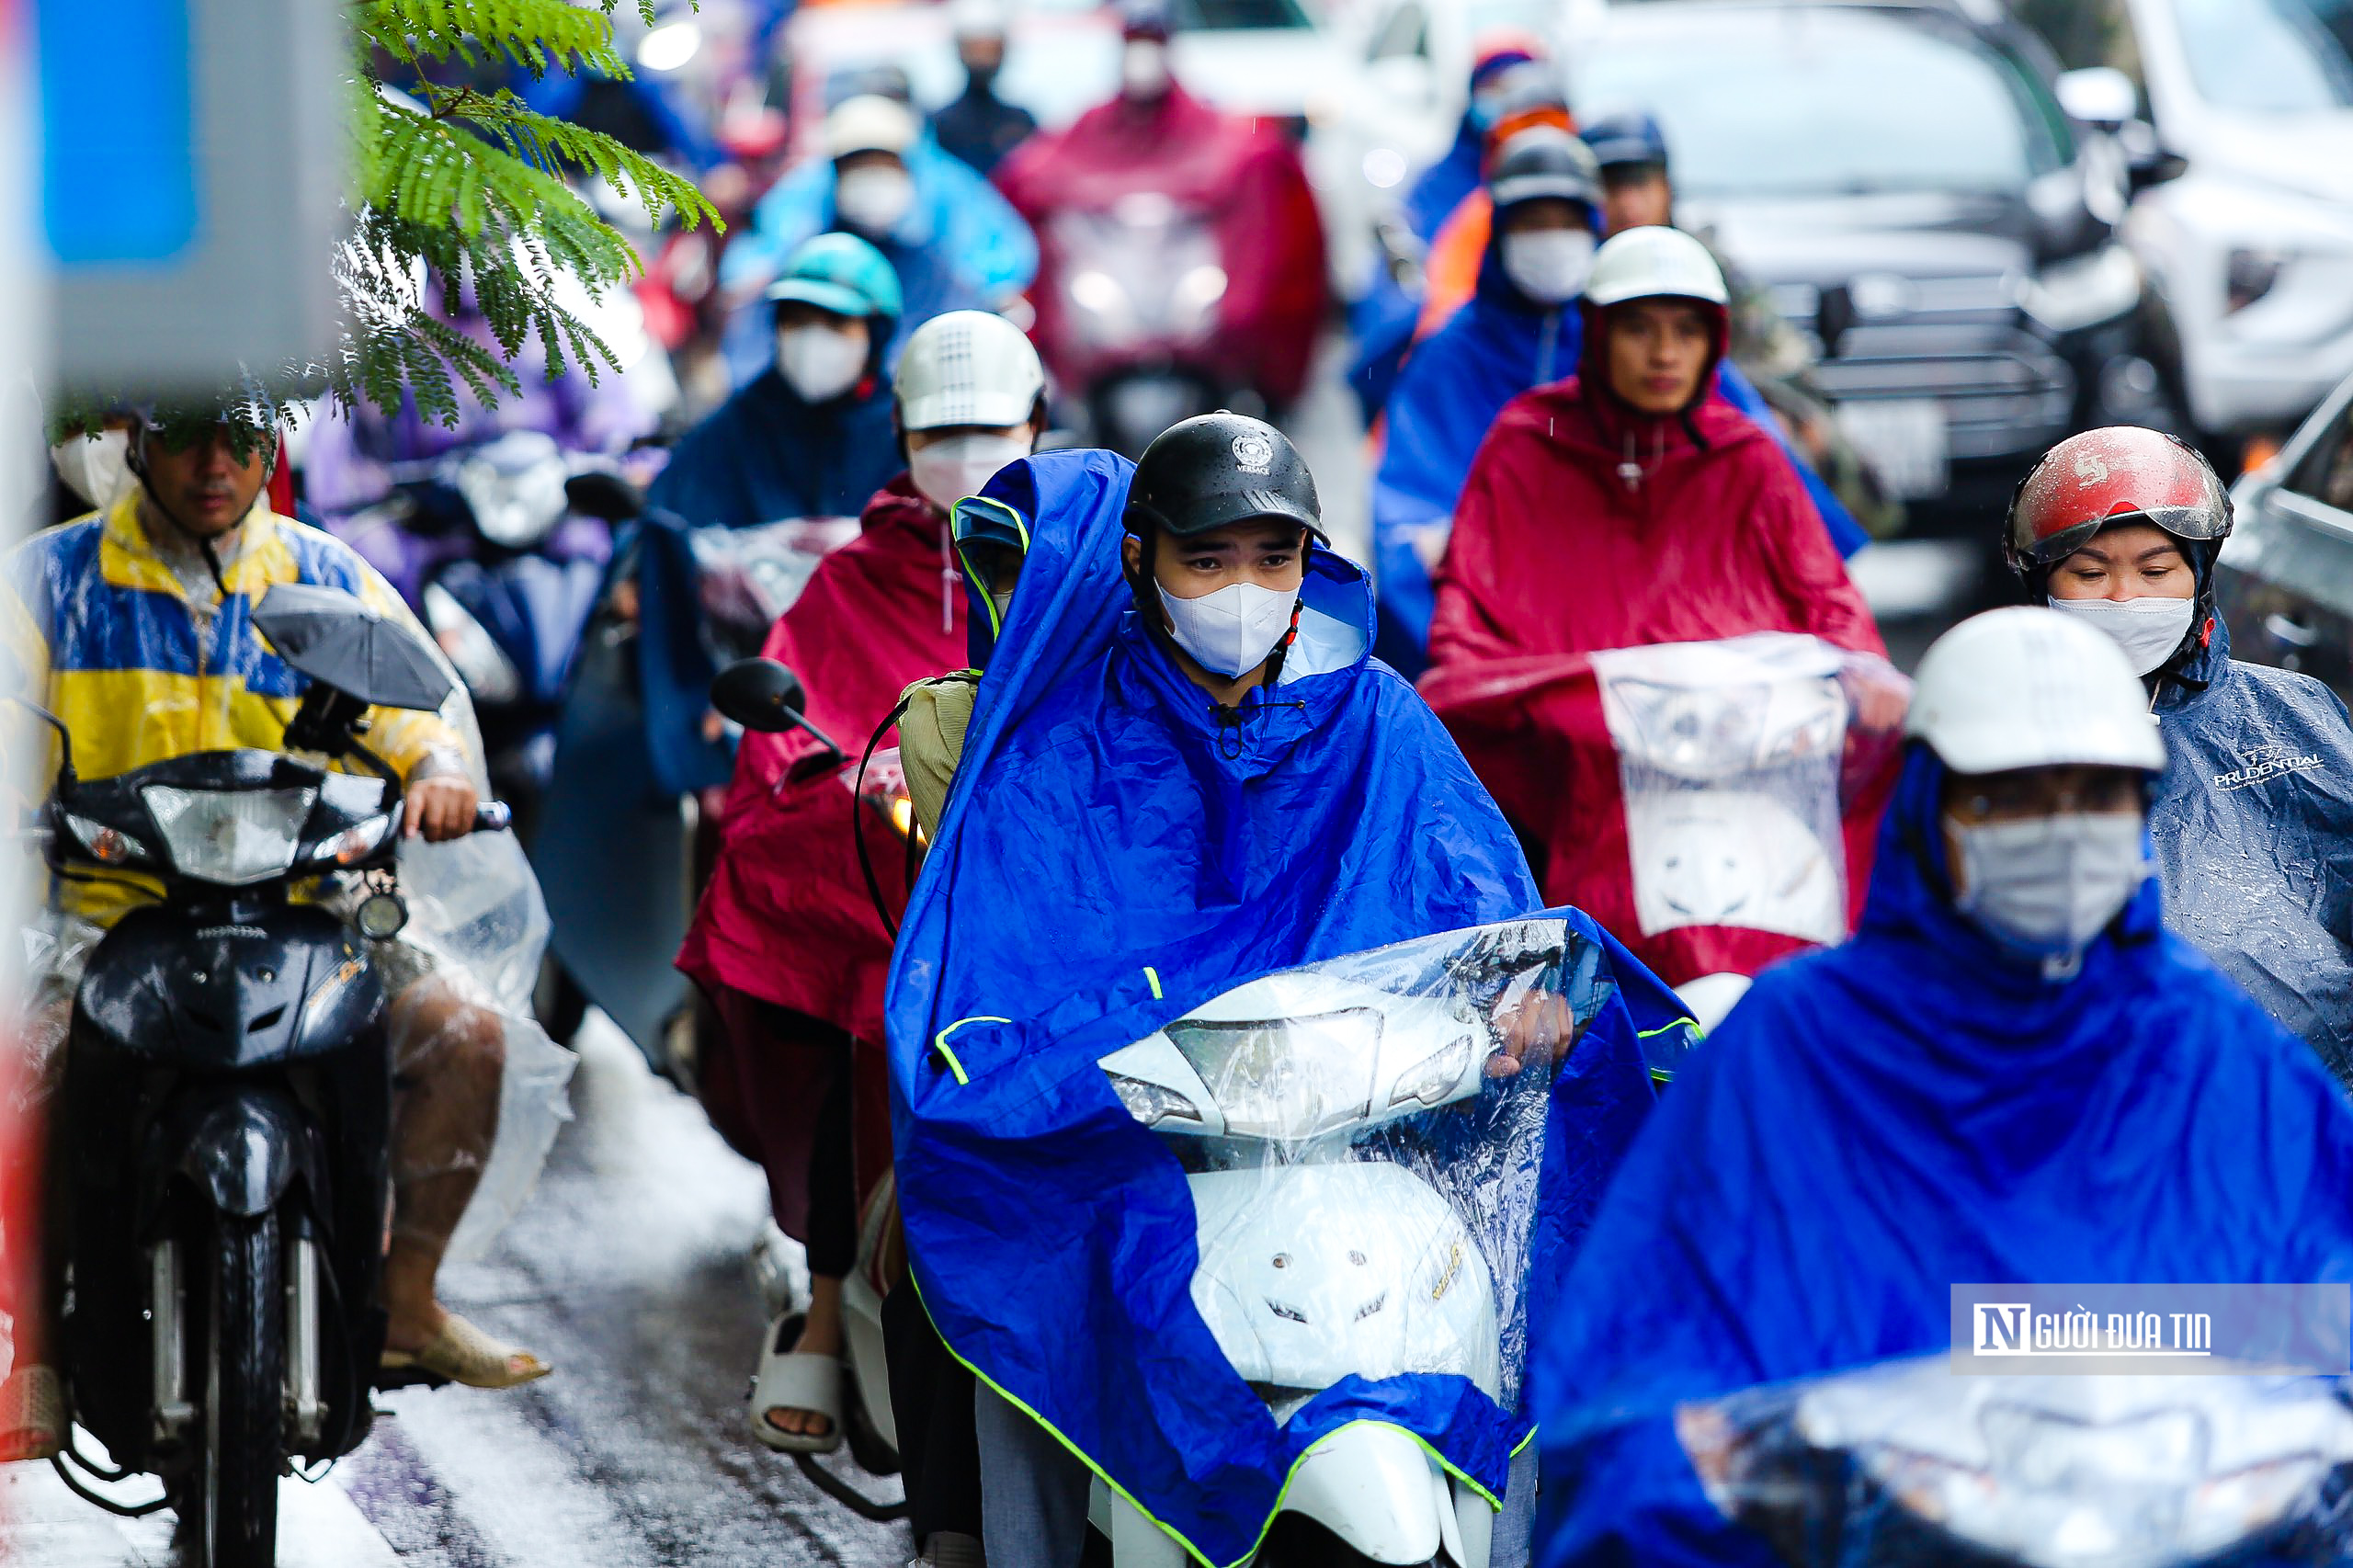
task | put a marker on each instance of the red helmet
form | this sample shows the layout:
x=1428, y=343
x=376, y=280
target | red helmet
x=2120, y=474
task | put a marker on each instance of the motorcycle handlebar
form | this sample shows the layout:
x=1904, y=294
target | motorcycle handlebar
x=494, y=816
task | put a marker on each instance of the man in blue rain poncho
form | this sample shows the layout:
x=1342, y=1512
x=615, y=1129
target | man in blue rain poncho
x=2011, y=1073
x=1523, y=329
x=2254, y=818
x=1182, y=772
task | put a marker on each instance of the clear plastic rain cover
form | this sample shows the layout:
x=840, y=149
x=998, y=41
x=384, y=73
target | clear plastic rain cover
x=1907, y=1462
x=1363, y=1150
x=1729, y=756
x=750, y=576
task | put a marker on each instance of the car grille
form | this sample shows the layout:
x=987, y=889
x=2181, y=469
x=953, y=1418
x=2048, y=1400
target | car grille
x=2004, y=390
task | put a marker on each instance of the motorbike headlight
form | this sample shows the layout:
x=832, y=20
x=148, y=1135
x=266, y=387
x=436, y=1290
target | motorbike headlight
x=514, y=486
x=480, y=662
x=107, y=845
x=2083, y=291
x=1195, y=298
x=1151, y=1104
x=1435, y=1078
x=1286, y=1079
x=1099, y=292
x=231, y=837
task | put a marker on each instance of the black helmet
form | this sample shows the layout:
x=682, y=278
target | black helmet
x=1545, y=161
x=1216, y=469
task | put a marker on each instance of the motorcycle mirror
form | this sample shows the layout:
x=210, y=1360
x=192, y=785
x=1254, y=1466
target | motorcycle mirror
x=65, y=736
x=606, y=497
x=760, y=694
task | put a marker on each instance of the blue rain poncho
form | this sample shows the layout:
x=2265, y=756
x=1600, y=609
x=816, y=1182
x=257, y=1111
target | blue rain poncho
x=1878, y=1121
x=2254, y=829
x=1112, y=853
x=1458, y=380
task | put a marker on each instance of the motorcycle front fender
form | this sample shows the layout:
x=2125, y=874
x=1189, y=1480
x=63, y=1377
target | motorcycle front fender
x=242, y=1149
x=1372, y=1485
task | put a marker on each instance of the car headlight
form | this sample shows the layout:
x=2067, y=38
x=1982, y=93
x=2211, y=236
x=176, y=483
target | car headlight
x=230, y=837
x=107, y=845
x=480, y=662
x=2083, y=291
x=1286, y=1079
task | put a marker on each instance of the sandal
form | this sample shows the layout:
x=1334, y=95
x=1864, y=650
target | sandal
x=464, y=1353
x=795, y=1379
x=32, y=1414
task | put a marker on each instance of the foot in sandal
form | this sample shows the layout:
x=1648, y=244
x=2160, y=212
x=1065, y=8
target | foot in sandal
x=32, y=1414
x=796, y=1397
x=819, y=1337
x=459, y=1351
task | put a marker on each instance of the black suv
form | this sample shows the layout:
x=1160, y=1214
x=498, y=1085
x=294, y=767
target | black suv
x=1898, y=177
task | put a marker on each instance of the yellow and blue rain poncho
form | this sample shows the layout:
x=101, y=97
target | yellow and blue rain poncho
x=111, y=641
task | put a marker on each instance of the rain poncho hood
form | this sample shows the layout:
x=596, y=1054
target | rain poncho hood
x=1558, y=553
x=1446, y=400
x=1247, y=179
x=786, y=915
x=1880, y=1120
x=2252, y=821
x=1115, y=850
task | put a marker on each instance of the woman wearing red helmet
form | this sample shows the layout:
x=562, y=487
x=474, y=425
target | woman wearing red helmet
x=2251, y=821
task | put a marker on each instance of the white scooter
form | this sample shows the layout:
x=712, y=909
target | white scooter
x=1322, y=1256
x=1730, y=758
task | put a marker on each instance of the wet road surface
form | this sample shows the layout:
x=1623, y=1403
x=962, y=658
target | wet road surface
x=627, y=1273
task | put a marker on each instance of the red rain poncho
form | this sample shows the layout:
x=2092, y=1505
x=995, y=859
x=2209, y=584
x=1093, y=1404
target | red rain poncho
x=786, y=918
x=1243, y=174
x=1558, y=551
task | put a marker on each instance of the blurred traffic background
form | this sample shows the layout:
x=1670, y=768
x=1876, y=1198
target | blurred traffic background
x=1961, y=228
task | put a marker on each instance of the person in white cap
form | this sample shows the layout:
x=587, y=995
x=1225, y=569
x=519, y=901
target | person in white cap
x=787, y=941
x=978, y=126
x=2011, y=1073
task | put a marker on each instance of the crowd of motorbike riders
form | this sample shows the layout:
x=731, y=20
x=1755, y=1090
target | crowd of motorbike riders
x=2039, y=966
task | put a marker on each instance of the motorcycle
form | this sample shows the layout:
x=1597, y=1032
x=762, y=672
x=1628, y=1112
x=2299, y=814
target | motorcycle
x=1738, y=763
x=1140, y=284
x=1907, y=1462
x=1361, y=1211
x=501, y=548
x=223, y=1146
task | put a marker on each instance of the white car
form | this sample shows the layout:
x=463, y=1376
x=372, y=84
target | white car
x=2253, y=246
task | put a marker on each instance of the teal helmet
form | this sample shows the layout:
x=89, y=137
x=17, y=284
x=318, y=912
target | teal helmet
x=843, y=274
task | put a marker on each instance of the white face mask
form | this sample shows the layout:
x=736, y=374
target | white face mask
x=873, y=199
x=1548, y=266
x=2149, y=629
x=948, y=470
x=1232, y=629
x=97, y=471
x=2046, y=886
x=818, y=362
x=1144, y=69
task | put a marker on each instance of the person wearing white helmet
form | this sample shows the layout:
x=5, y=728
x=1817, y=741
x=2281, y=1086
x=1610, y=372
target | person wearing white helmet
x=977, y=126
x=1626, y=506
x=786, y=941
x=2011, y=1073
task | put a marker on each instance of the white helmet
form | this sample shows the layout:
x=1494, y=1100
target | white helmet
x=2029, y=686
x=1655, y=263
x=967, y=368
x=870, y=124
